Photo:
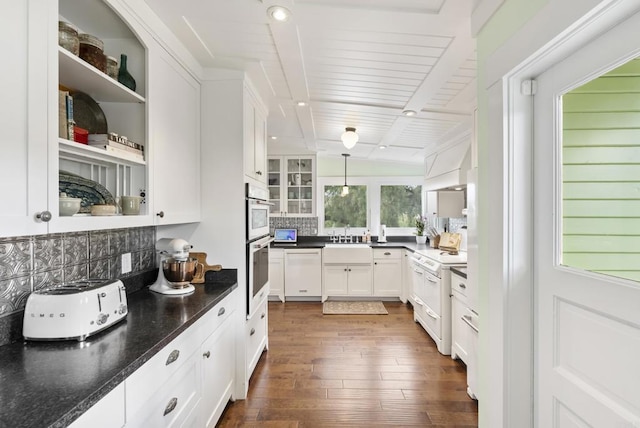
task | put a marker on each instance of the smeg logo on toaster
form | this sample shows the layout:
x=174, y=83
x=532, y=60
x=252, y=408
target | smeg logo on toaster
x=60, y=315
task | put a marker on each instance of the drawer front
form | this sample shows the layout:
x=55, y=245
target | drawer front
x=172, y=403
x=276, y=253
x=256, y=335
x=154, y=373
x=432, y=292
x=387, y=253
x=260, y=298
x=459, y=284
x=432, y=321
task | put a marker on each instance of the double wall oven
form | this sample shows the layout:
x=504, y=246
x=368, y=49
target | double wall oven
x=258, y=240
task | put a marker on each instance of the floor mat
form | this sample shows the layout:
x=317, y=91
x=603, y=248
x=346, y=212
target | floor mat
x=354, y=308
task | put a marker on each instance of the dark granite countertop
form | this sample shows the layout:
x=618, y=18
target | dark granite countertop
x=462, y=271
x=407, y=242
x=50, y=384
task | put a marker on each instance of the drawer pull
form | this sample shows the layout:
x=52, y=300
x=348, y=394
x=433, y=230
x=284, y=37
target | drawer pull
x=170, y=406
x=221, y=311
x=461, y=285
x=207, y=354
x=173, y=356
x=467, y=320
x=432, y=314
x=262, y=316
x=387, y=253
x=302, y=291
x=252, y=332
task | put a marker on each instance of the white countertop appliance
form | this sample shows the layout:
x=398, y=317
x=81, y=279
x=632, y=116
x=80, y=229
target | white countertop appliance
x=431, y=293
x=74, y=310
x=176, y=269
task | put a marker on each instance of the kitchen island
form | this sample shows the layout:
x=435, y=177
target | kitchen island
x=50, y=384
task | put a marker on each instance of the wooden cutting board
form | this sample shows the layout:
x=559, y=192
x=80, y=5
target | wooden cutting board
x=202, y=258
x=450, y=242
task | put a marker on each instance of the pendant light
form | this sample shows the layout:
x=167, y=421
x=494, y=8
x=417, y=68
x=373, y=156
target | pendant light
x=349, y=137
x=345, y=188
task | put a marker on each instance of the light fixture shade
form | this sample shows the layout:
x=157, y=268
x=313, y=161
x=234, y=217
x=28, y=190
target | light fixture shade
x=349, y=137
x=279, y=13
x=345, y=190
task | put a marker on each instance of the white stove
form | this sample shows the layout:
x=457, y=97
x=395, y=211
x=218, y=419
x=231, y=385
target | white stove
x=431, y=291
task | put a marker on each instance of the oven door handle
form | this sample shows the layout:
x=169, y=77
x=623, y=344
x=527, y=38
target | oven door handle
x=263, y=244
x=258, y=202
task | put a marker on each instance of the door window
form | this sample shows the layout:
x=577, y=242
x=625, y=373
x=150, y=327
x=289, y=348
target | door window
x=601, y=174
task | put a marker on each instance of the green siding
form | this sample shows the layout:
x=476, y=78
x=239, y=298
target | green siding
x=601, y=174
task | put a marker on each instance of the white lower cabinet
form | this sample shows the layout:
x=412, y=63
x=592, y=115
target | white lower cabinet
x=218, y=364
x=256, y=336
x=187, y=384
x=347, y=280
x=276, y=273
x=387, y=272
x=106, y=413
x=459, y=330
x=170, y=404
x=303, y=272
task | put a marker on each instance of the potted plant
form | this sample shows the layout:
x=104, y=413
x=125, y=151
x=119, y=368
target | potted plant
x=420, y=236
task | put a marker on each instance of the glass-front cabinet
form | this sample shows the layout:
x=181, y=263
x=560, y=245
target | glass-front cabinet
x=292, y=185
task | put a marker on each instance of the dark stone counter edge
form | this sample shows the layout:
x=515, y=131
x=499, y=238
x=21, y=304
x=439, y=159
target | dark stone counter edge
x=73, y=414
x=409, y=245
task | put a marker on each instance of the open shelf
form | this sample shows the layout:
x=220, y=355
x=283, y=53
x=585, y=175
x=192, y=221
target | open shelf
x=76, y=74
x=79, y=151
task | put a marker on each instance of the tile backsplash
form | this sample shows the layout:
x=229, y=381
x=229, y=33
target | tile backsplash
x=30, y=263
x=307, y=226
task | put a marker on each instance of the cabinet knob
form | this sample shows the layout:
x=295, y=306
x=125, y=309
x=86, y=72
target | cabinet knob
x=461, y=285
x=160, y=214
x=44, y=216
x=207, y=354
x=252, y=332
x=170, y=406
x=375, y=263
x=221, y=311
x=258, y=172
x=262, y=316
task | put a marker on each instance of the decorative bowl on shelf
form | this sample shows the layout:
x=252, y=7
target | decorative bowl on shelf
x=68, y=206
x=103, y=210
x=89, y=191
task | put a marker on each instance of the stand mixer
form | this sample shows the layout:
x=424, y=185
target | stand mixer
x=176, y=269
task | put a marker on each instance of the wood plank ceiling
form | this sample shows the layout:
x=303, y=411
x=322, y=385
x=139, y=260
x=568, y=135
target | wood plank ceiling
x=357, y=63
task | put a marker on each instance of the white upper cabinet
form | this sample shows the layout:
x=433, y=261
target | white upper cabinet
x=255, y=139
x=174, y=121
x=291, y=182
x=162, y=114
x=25, y=91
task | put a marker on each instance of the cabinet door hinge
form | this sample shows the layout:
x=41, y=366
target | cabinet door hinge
x=528, y=87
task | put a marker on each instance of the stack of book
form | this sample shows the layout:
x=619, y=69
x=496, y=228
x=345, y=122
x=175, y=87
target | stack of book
x=65, y=115
x=119, y=146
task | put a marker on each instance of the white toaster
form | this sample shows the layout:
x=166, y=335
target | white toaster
x=74, y=310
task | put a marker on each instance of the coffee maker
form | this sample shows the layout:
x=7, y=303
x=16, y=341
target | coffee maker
x=176, y=269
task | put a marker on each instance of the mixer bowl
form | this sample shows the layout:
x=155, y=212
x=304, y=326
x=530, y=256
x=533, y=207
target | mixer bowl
x=179, y=273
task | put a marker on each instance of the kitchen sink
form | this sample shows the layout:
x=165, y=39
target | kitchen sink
x=347, y=253
x=346, y=245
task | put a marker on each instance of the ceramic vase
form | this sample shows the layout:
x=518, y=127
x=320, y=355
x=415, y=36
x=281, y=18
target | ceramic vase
x=123, y=74
x=421, y=239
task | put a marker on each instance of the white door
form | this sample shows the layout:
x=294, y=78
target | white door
x=587, y=338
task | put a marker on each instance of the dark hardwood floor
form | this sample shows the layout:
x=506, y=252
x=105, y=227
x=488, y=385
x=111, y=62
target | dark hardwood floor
x=352, y=370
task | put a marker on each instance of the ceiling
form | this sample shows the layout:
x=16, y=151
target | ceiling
x=355, y=63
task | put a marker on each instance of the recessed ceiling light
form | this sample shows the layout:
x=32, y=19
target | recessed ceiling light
x=273, y=137
x=279, y=13
x=409, y=112
x=301, y=103
x=457, y=188
x=382, y=147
